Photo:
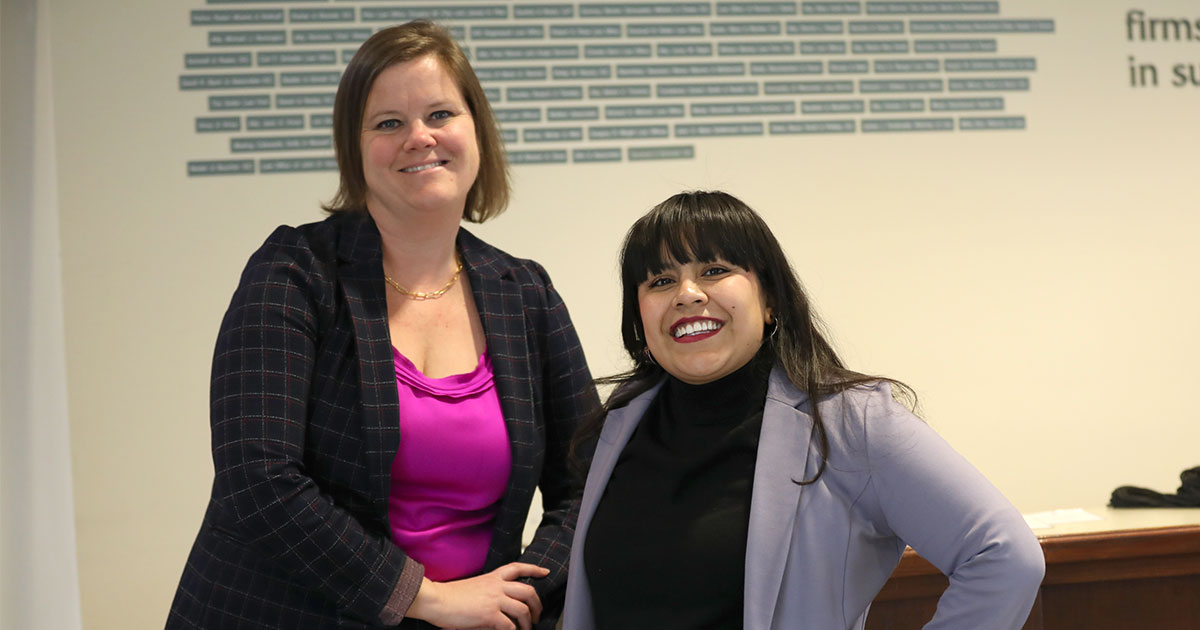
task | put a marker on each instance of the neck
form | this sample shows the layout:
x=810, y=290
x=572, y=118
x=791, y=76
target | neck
x=728, y=399
x=418, y=252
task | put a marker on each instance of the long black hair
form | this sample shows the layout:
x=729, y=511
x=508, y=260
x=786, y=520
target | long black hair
x=706, y=226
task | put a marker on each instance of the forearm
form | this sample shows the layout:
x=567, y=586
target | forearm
x=996, y=587
x=296, y=528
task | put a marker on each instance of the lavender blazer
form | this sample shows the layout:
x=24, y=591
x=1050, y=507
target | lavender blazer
x=305, y=425
x=818, y=554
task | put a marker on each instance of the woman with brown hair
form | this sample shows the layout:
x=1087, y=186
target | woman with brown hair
x=387, y=389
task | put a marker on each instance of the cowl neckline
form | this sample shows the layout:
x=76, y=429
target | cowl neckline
x=455, y=385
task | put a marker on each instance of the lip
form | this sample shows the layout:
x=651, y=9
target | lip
x=698, y=337
x=425, y=167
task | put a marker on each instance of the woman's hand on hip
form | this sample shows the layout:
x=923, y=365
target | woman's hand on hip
x=493, y=600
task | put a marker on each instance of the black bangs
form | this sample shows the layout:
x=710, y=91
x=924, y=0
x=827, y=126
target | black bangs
x=694, y=227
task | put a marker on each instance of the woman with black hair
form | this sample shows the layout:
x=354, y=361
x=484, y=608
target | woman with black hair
x=743, y=477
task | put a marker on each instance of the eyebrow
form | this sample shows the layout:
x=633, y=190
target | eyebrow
x=386, y=112
x=436, y=105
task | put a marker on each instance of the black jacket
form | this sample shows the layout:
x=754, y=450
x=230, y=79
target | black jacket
x=305, y=425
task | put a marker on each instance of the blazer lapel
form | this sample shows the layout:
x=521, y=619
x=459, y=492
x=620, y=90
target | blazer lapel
x=783, y=453
x=501, y=310
x=618, y=428
x=361, y=275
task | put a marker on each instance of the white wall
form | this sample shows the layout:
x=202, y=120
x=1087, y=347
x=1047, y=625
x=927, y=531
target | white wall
x=1035, y=287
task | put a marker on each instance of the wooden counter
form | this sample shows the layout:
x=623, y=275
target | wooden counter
x=1135, y=568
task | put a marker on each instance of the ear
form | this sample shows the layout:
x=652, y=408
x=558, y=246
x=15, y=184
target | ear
x=770, y=317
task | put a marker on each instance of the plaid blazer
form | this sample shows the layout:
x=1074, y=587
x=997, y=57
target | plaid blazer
x=305, y=425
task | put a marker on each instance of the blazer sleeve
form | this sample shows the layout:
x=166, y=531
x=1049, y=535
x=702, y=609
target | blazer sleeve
x=568, y=394
x=945, y=509
x=263, y=369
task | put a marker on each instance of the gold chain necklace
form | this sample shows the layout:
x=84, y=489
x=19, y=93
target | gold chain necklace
x=425, y=295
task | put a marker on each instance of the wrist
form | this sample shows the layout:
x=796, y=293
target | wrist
x=427, y=601
x=396, y=608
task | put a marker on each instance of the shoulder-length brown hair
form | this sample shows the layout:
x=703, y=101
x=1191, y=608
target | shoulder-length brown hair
x=489, y=194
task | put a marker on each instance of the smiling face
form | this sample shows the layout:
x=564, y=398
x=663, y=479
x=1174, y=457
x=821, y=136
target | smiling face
x=702, y=320
x=418, y=142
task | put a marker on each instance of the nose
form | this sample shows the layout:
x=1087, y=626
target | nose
x=420, y=136
x=689, y=293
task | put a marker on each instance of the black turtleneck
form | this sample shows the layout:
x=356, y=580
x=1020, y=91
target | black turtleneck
x=667, y=545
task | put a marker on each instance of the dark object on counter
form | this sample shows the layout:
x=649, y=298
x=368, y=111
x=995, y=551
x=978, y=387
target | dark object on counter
x=1187, y=496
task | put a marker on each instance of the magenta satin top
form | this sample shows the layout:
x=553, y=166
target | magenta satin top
x=451, y=470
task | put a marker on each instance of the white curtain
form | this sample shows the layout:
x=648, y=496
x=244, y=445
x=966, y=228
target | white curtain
x=39, y=576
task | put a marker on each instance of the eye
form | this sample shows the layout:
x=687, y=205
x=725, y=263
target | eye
x=441, y=115
x=388, y=125
x=660, y=281
x=715, y=270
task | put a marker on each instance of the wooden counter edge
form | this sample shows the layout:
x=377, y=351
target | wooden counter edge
x=1073, y=558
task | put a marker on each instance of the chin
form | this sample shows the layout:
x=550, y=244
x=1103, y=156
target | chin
x=438, y=202
x=698, y=377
